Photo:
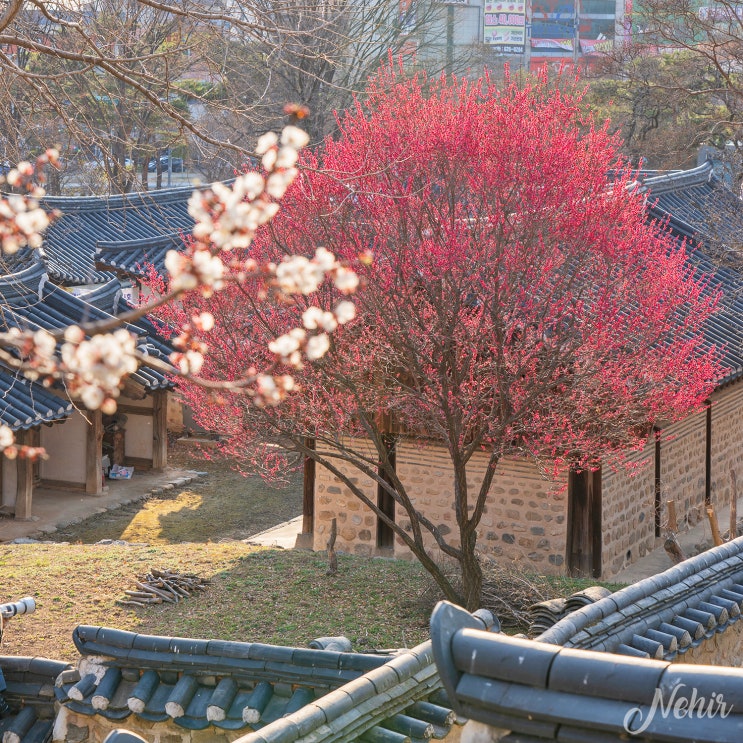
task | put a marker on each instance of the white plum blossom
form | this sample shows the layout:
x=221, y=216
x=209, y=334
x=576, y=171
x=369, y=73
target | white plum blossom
x=268, y=161
x=293, y=136
x=325, y=259
x=204, y=321
x=225, y=219
x=266, y=142
x=314, y=317
x=345, y=312
x=95, y=368
x=317, y=346
x=178, y=265
x=296, y=274
x=190, y=362
x=6, y=437
x=279, y=181
x=311, y=317
x=346, y=280
x=287, y=158
x=284, y=345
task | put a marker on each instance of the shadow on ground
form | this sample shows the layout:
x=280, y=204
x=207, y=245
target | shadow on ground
x=223, y=505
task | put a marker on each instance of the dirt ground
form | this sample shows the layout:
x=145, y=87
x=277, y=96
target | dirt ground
x=224, y=505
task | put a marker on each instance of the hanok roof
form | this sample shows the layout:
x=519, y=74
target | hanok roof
x=705, y=215
x=24, y=404
x=536, y=692
x=29, y=301
x=109, y=298
x=337, y=696
x=30, y=694
x=122, y=232
x=665, y=615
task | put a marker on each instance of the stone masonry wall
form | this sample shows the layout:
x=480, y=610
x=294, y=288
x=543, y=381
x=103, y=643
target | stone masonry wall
x=722, y=649
x=628, y=499
x=727, y=445
x=627, y=513
x=72, y=727
x=356, y=523
x=524, y=520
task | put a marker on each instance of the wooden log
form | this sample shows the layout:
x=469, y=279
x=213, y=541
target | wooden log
x=716, y=536
x=673, y=549
x=140, y=594
x=132, y=602
x=672, y=523
x=733, y=529
x=162, y=594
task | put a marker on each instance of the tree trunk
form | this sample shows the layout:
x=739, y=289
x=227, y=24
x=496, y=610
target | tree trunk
x=471, y=573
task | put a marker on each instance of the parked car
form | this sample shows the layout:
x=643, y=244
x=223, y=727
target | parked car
x=177, y=164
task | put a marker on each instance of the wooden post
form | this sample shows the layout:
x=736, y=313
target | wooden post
x=308, y=493
x=24, y=478
x=159, y=429
x=733, y=532
x=673, y=549
x=583, y=532
x=93, y=453
x=712, y=516
x=672, y=523
x=332, y=557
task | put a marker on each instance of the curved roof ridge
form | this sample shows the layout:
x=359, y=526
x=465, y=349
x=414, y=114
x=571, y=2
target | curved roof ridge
x=118, y=201
x=19, y=285
x=713, y=561
x=104, y=296
x=674, y=180
x=157, y=241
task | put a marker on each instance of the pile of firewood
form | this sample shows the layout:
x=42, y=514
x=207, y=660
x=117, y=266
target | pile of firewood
x=163, y=586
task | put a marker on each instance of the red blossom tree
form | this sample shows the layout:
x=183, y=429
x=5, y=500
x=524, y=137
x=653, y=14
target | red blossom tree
x=517, y=304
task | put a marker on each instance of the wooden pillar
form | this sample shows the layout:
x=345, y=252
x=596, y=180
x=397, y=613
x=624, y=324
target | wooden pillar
x=708, y=455
x=159, y=429
x=583, y=549
x=94, y=453
x=24, y=477
x=308, y=493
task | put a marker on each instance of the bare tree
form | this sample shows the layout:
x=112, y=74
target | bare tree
x=128, y=79
x=676, y=83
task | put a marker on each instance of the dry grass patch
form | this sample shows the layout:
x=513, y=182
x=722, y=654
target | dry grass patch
x=256, y=594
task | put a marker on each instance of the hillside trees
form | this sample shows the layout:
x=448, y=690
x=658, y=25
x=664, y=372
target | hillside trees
x=514, y=306
x=677, y=80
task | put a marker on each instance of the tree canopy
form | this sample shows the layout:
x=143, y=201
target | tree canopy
x=512, y=302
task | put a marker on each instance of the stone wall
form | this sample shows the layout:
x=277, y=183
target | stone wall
x=356, y=523
x=628, y=527
x=72, y=727
x=524, y=519
x=722, y=649
x=628, y=499
x=525, y=516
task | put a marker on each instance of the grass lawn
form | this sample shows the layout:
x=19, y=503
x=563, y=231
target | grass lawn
x=256, y=594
